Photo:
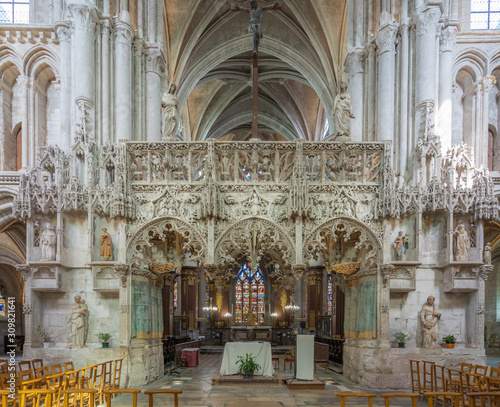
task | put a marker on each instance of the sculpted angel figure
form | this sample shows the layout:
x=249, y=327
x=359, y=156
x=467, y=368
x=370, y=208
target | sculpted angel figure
x=170, y=113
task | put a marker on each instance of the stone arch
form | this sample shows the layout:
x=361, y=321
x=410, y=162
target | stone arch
x=473, y=61
x=357, y=238
x=188, y=241
x=256, y=240
x=7, y=218
x=38, y=61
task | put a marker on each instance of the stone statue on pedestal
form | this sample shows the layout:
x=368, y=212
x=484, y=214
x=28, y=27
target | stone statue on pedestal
x=462, y=244
x=79, y=323
x=487, y=253
x=106, y=245
x=429, y=318
x=48, y=243
x=170, y=114
x=342, y=111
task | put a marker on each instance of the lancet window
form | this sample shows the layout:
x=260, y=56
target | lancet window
x=485, y=15
x=15, y=11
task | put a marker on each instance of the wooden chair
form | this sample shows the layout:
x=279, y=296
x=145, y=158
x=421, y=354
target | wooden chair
x=56, y=382
x=79, y=396
x=442, y=397
x=494, y=372
x=5, y=385
x=466, y=367
x=72, y=382
x=30, y=384
x=111, y=393
x=493, y=399
x=108, y=373
x=41, y=373
x=36, y=363
x=3, y=395
x=438, y=374
x=69, y=366
x=427, y=376
x=276, y=362
x=56, y=369
x=98, y=382
x=117, y=374
x=343, y=396
x=86, y=377
x=416, y=385
x=289, y=359
x=151, y=394
x=4, y=366
x=36, y=398
x=24, y=365
x=388, y=396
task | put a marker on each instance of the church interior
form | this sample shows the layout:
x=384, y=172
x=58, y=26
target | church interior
x=179, y=175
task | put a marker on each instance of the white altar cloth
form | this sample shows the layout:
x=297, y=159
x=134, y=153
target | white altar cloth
x=260, y=350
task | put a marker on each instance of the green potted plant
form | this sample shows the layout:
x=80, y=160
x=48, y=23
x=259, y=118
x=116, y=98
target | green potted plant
x=104, y=339
x=248, y=365
x=401, y=337
x=45, y=335
x=449, y=341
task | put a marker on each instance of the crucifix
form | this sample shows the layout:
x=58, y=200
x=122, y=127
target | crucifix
x=255, y=10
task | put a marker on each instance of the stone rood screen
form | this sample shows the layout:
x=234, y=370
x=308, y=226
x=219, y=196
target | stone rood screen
x=255, y=162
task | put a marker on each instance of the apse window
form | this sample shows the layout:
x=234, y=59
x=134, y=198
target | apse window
x=485, y=15
x=15, y=11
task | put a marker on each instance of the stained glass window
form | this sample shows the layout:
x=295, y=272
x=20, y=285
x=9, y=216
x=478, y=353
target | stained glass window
x=3, y=313
x=250, y=298
x=15, y=11
x=485, y=14
x=329, y=295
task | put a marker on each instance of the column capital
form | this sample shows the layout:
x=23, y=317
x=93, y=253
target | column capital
x=426, y=20
x=23, y=81
x=83, y=16
x=105, y=27
x=487, y=83
x=155, y=61
x=123, y=33
x=63, y=31
x=355, y=61
x=386, y=38
x=448, y=38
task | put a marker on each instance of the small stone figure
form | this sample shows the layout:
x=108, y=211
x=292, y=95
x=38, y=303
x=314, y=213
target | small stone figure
x=48, y=242
x=254, y=27
x=487, y=253
x=170, y=114
x=79, y=324
x=400, y=246
x=106, y=245
x=462, y=244
x=429, y=318
x=342, y=111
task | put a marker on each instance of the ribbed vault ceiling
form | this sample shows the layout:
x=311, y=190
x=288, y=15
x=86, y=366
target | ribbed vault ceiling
x=209, y=57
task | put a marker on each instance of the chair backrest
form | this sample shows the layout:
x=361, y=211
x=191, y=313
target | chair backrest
x=427, y=378
x=72, y=379
x=117, y=373
x=69, y=366
x=493, y=399
x=494, y=372
x=343, y=396
x=493, y=383
x=36, y=397
x=439, y=378
x=389, y=396
x=86, y=377
x=25, y=365
x=416, y=384
x=42, y=372
x=466, y=367
x=480, y=370
x=37, y=363
x=108, y=373
x=112, y=392
x=80, y=396
x=56, y=369
x=433, y=398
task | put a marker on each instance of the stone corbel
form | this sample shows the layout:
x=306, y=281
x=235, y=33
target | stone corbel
x=485, y=270
x=109, y=276
x=463, y=276
x=121, y=272
x=298, y=271
x=46, y=276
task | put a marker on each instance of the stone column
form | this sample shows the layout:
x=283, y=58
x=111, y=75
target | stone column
x=168, y=308
x=189, y=295
x=447, y=42
x=154, y=67
x=122, y=271
x=426, y=20
x=83, y=50
x=64, y=35
x=314, y=294
x=23, y=82
x=387, y=270
x=404, y=98
x=123, y=81
x=482, y=117
x=105, y=81
x=385, y=39
x=355, y=68
x=27, y=273
x=484, y=272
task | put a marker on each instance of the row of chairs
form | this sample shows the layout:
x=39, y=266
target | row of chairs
x=79, y=397
x=427, y=377
x=449, y=399
x=99, y=377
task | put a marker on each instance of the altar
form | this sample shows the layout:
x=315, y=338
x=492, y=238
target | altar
x=251, y=333
x=260, y=350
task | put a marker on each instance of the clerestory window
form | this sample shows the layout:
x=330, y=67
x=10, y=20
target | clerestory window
x=485, y=15
x=15, y=11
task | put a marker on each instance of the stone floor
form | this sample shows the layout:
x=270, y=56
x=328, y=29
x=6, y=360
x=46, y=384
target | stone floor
x=196, y=384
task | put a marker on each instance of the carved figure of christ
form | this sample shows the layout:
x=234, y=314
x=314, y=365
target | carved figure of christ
x=255, y=10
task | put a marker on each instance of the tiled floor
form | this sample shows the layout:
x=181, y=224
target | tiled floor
x=198, y=390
